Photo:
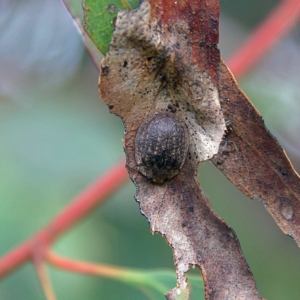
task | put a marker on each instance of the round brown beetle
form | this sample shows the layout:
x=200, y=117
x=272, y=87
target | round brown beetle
x=161, y=146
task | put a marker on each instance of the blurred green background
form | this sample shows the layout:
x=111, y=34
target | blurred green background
x=57, y=137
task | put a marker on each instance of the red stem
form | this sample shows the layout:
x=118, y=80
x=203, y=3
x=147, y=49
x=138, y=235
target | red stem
x=280, y=21
x=78, y=209
x=76, y=266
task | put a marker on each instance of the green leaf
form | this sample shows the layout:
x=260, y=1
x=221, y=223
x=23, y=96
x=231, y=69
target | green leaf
x=99, y=19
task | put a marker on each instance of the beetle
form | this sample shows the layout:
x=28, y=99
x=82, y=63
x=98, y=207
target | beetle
x=161, y=146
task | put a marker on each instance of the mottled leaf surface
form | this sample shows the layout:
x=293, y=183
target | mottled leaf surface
x=164, y=57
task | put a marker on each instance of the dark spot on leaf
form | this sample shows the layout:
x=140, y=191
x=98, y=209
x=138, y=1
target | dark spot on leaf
x=191, y=208
x=111, y=8
x=282, y=172
x=214, y=24
x=172, y=108
x=104, y=71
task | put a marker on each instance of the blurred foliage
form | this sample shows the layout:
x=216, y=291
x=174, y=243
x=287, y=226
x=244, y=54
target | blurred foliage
x=248, y=13
x=56, y=137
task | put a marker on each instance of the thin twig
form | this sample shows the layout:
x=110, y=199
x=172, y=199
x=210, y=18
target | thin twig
x=44, y=279
x=76, y=266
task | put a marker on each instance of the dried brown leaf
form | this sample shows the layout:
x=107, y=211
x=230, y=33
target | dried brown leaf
x=164, y=57
x=254, y=161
